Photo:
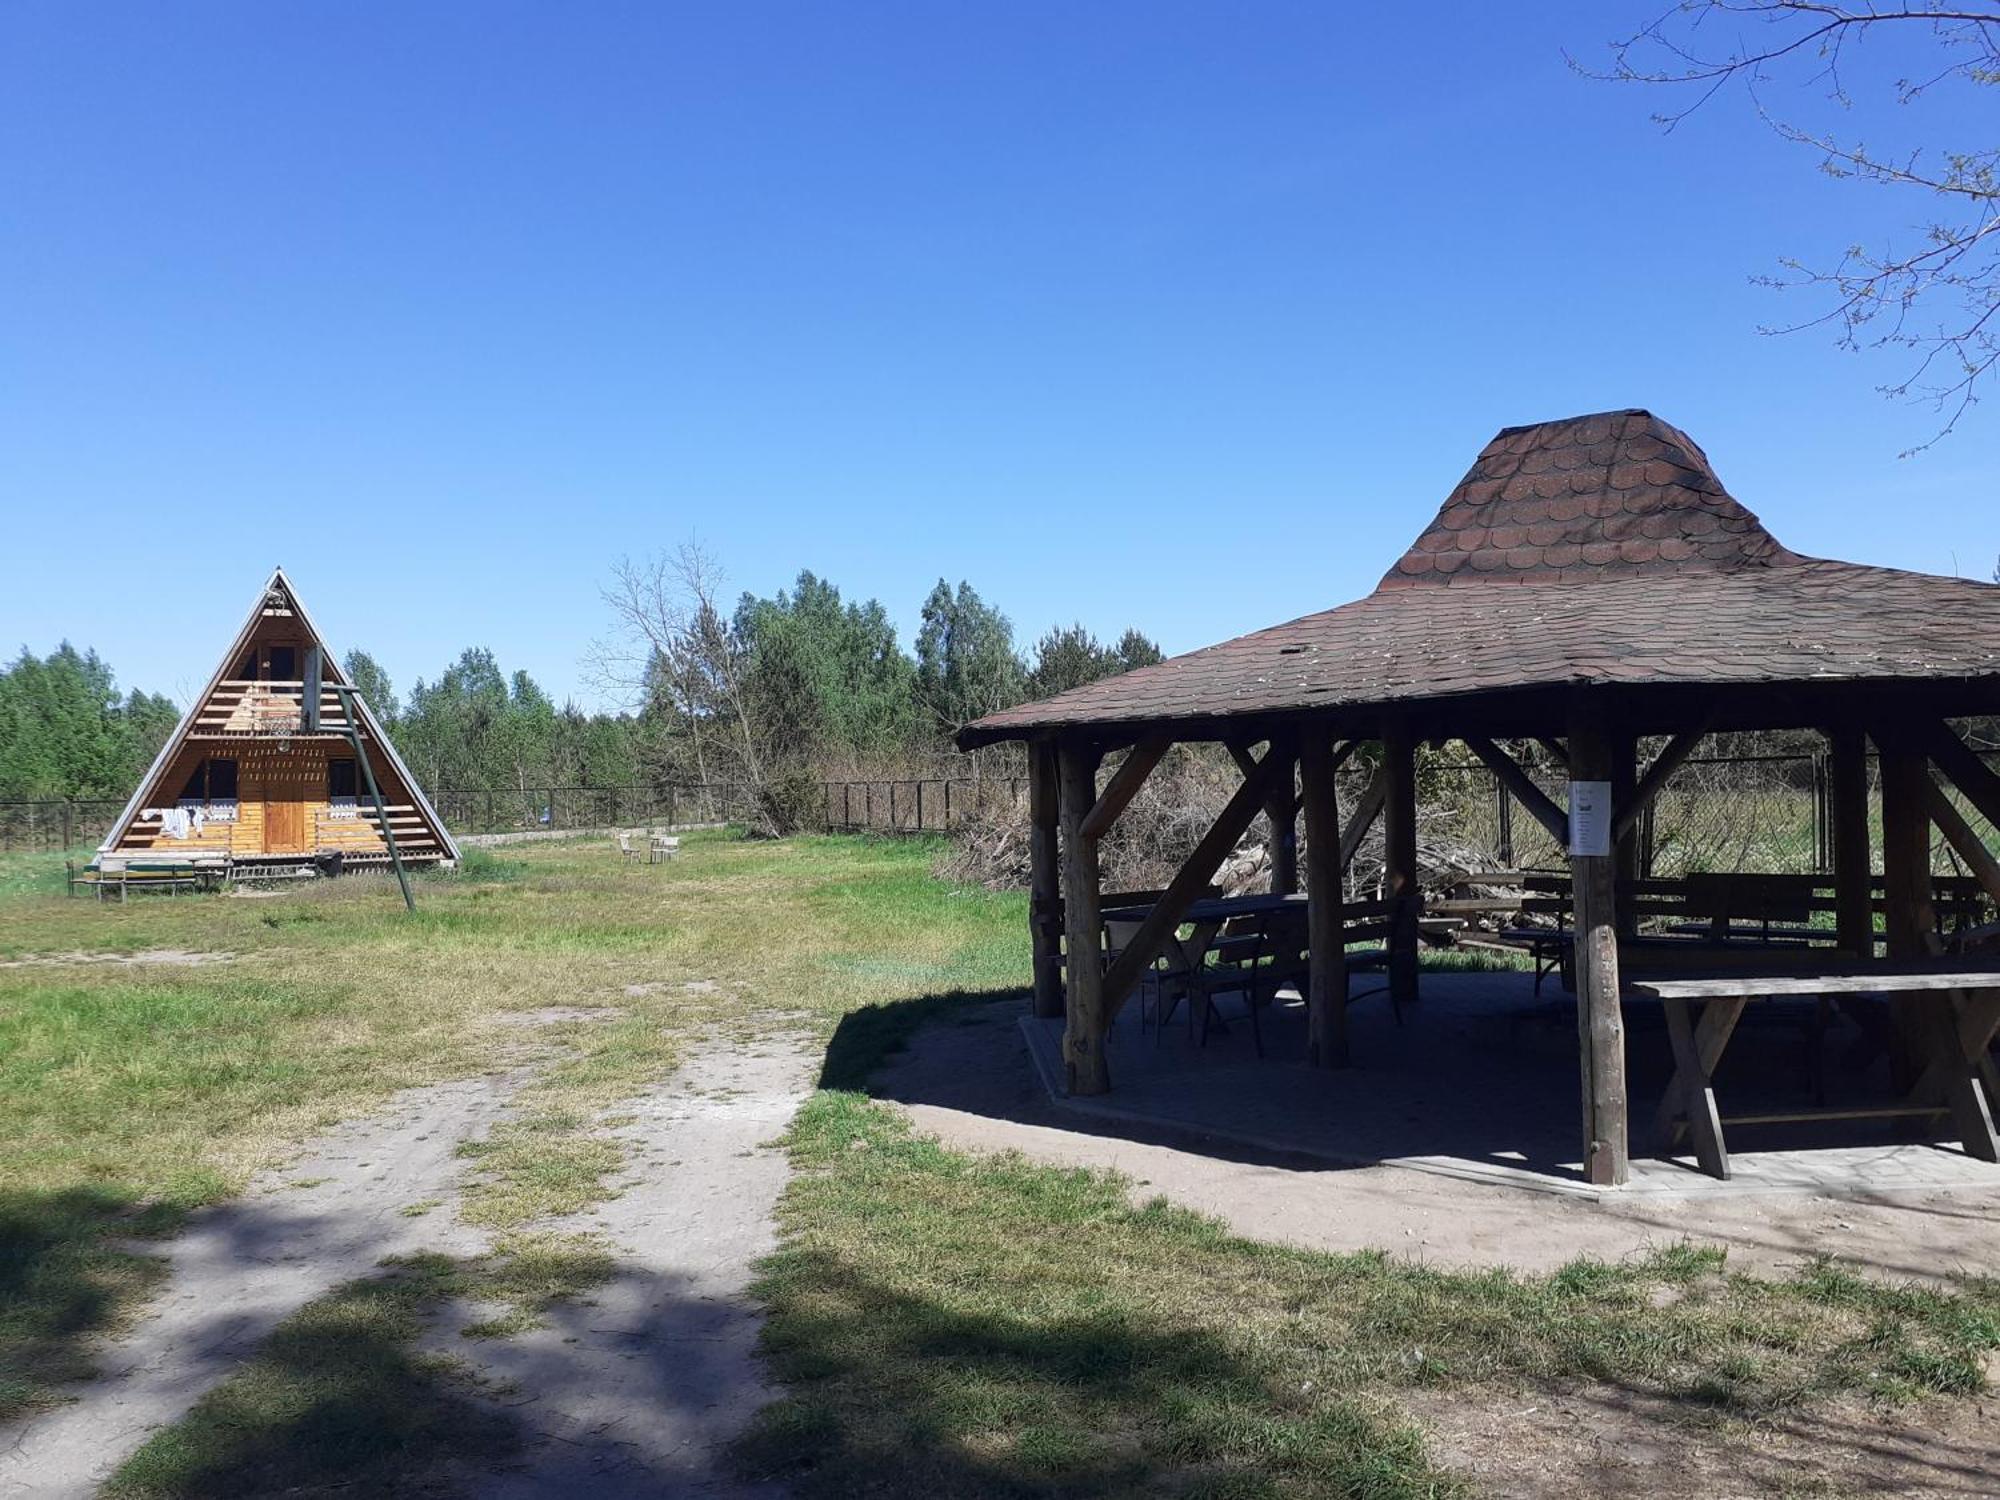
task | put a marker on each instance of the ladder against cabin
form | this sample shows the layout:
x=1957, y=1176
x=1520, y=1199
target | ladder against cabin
x=265, y=787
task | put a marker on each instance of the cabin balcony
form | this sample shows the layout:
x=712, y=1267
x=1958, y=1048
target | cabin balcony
x=240, y=709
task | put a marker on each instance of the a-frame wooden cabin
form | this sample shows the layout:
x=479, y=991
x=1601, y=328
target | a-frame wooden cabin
x=247, y=784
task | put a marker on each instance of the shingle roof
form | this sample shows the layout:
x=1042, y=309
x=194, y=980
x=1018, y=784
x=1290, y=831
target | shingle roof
x=1623, y=560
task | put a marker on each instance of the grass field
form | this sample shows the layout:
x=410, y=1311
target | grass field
x=943, y=1325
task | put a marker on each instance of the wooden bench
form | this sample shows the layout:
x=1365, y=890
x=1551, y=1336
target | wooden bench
x=1958, y=1004
x=146, y=875
x=661, y=848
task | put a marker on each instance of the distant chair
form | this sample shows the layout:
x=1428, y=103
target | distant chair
x=625, y=846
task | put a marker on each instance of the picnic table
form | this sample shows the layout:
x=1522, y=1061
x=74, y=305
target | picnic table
x=1956, y=1006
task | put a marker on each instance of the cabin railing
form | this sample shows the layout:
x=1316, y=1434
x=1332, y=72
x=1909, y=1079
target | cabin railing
x=239, y=707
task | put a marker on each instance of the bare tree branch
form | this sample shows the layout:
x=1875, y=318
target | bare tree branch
x=1936, y=302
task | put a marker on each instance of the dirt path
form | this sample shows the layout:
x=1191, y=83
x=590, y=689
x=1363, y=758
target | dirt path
x=634, y=1392
x=242, y=1268
x=631, y=1392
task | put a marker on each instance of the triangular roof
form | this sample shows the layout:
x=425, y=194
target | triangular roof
x=280, y=586
x=1600, y=548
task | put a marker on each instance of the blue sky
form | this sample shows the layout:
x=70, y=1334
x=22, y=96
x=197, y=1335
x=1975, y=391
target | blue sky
x=1177, y=315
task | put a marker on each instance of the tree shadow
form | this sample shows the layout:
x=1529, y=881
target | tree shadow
x=66, y=1277
x=897, y=1393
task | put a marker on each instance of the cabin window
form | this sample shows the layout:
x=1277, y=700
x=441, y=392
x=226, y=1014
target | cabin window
x=246, y=670
x=284, y=664
x=212, y=789
x=341, y=780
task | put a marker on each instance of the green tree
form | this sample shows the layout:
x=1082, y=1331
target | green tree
x=368, y=678
x=66, y=731
x=966, y=666
x=824, y=675
x=1071, y=656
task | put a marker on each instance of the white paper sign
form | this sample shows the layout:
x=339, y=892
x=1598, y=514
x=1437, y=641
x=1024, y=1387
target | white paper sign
x=1590, y=817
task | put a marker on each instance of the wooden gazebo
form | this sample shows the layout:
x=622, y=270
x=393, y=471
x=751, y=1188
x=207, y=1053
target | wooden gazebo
x=1589, y=584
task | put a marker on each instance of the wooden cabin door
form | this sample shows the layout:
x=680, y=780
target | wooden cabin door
x=284, y=825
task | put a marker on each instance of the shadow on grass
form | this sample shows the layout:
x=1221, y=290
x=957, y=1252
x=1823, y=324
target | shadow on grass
x=338, y=1396
x=65, y=1279
x=869, y=1036
x=900, y=1394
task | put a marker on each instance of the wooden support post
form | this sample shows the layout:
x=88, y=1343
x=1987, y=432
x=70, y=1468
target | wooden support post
x=1083, y=1033
x=1400, y=886
x=1326, y=995
x=1908, y=913
x=1282, y=809
x=1044, y=880
x=1853, y=858
x=1625, y=831
x=1909, y=919
x=1599, y=1010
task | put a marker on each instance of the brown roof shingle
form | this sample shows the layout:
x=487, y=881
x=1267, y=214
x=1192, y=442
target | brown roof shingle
x=1624, y=560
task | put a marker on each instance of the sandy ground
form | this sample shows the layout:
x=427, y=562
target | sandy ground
x=632, y=1392
x=973, y=1085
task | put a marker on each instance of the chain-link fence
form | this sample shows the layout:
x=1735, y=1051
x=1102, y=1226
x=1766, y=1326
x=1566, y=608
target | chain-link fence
x=1759, y=814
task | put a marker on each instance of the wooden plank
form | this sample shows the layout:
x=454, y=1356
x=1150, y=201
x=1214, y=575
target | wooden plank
x=1326, y=994
x=1399, y=859
x=1533, y=798
x=1088, y=1018
x=1600, y=1017
x=1125, y=784
x=1854, y=911
x=1044, y=881
x=1185, y=888
x=1883, y=979
x=1668, y=761
x=1960, y=835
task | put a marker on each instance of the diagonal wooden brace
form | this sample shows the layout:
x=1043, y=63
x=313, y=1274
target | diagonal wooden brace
x=1150, y=941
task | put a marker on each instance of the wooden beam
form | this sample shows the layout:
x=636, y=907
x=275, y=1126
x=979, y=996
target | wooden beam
x=1668, y=761
x=1399, y=859
x=1625, y=837
x=1557, y=751
x=1599, y=1011
x=1124, y=785
x=1961, y=836
x=1909, y=918
x=1365, y=814
x=1044, y=880
x=1083, y=1033
x=1853, y=857
x=1326, y=991
x=1343, y=752
x=1533, y=798
x=1975, y=780
x=1191, y=880
x=1281, y=808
